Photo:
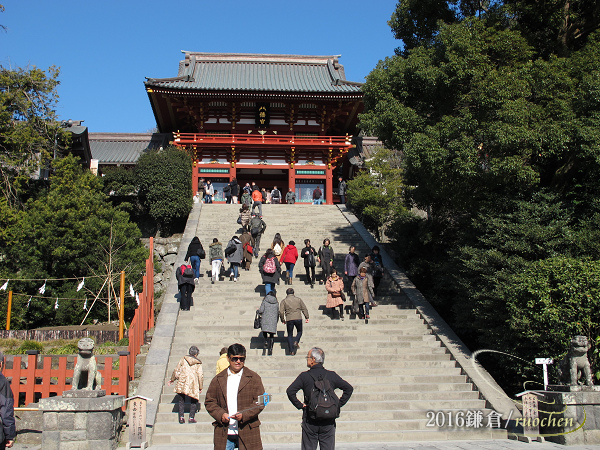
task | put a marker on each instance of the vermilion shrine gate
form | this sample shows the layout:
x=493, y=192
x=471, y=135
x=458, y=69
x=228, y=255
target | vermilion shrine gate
x=281, y=120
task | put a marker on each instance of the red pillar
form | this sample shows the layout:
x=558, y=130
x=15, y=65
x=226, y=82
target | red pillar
x=194, y=178
x=329, y=185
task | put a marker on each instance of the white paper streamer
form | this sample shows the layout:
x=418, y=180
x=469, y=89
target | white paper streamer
x=28, y=302
x=43, y=288
x=85, y=305
x=56, y=304
x=4, y=286
x=131, y=291
x=81, y=284
x=137, y=298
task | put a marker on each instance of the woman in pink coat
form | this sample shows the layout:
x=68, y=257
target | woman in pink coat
x=335, y=296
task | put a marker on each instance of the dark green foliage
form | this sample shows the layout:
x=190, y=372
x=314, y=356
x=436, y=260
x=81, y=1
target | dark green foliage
x=30, y=135
x=376, y=193
x=70, y=231
x=498, y=127
x=165, y=186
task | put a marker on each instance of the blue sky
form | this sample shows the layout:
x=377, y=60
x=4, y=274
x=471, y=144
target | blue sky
x=106, y=49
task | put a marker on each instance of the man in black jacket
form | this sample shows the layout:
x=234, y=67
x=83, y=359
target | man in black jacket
x=321, y=432
x=7, y=411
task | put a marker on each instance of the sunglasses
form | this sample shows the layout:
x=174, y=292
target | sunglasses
x=237, y=358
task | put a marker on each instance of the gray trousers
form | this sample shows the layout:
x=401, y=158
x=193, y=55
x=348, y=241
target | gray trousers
x=323, y=435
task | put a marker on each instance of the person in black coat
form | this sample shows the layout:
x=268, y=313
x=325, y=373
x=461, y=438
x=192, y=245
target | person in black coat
x=7, y=411
x=186, y=283
x=269, y=279
x=235, y=190
x=193, y=255
x=309, y=254
x=315, y=431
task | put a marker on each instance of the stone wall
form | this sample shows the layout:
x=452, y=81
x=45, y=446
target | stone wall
x=165, y=253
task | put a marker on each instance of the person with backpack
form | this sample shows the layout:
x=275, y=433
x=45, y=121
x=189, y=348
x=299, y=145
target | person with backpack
x=269, y=315
x=195, y=253
x=317, y=194
x=190, y=378
x=245, y=216
x=257, y=200
x=216, y=259
x=309, y=255
x=234, y=252
x=320, y=406
x=246, y=198
x=325, y=258
x=275, y=196
x=257, y=228
x=278, y=245
x=248, y=247
x=289, y=258
x=186, y=283
x=270, y=270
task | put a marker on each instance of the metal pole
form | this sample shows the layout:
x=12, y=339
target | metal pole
x=122, y=306
x=8, y=310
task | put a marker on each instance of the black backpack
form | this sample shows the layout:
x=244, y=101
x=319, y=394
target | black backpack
x=323, y=404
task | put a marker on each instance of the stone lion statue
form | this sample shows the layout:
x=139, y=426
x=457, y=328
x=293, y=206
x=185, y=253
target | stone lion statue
x=575, y=363
x=85, y=375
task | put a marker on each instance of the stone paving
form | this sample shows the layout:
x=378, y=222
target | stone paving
x=437, y=445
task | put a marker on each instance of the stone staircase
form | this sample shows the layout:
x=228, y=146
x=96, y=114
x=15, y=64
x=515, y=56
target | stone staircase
x=398, y=368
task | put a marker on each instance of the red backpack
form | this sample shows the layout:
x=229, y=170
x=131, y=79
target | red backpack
x=269, y=266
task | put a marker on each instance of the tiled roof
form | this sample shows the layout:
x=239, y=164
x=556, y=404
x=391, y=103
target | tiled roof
x=123, y=148
x=258, y=72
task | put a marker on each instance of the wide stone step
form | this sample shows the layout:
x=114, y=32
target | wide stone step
x=168, y=396
x=354, y=431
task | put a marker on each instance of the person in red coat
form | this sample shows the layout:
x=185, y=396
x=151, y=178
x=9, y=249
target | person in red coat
x=236, y=417
x=289, y=257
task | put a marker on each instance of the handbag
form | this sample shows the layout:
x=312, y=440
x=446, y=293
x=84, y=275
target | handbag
x=239, y=219
x=343, y=296
x=257, y=321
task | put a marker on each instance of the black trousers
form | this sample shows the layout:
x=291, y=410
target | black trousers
x=311, y=280
x=323, y=435
x=185, y=299
x=326, y=271
x=291, y=324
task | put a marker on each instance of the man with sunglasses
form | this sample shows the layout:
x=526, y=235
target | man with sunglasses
x=321, y=432
x=232, y=400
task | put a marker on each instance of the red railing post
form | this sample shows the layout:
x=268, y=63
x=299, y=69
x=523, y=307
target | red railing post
x=15, y=372
x=30, y=374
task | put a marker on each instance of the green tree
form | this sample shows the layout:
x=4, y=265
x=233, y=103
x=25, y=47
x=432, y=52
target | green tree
x=30, y=134
x=500, y=147
x=165, y=186
x=376, y=193
x=71, y=231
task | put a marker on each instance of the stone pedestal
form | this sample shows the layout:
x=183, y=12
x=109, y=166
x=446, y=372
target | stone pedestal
x=81, y=422
x=570, y=415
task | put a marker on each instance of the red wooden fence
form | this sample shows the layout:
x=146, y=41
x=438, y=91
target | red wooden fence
x=143, y=319
x=43, y=381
